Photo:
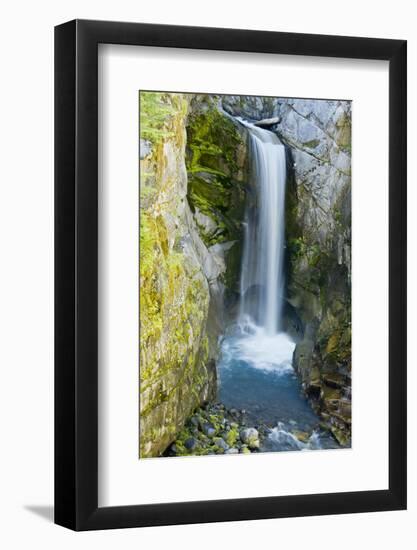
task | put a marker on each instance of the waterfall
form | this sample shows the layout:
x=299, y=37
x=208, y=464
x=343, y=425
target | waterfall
x=262, y=275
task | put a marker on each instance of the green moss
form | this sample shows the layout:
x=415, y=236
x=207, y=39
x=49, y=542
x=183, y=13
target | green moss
x=232, y=436
x=213, y=165
x=155, y=111
x=312, y=144
x=332, y=343
x=174, y=295
x=212, y=138
x=234, y=261
x=343, y=133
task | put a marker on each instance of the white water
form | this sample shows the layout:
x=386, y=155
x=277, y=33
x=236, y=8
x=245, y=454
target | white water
x=280, y=436
x=264, y=240
x=260, y=350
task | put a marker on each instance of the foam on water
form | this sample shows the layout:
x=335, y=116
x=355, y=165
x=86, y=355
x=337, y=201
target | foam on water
x=285, y=440
x=259, y=349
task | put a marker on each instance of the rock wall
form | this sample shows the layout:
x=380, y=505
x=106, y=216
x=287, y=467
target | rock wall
x=186, y=261
x=318, y=134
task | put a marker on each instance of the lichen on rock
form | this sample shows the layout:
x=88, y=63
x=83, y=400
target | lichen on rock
x=218, y=172
x=319, y=252
x=177, y=372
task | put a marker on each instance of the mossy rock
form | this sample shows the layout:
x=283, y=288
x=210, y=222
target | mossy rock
x=342, y=437
x=218, y=172
x=176, y=372
x=301, y=436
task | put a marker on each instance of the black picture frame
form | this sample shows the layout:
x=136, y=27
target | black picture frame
x=76, y=272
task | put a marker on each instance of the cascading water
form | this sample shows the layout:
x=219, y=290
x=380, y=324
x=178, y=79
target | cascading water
x=262, y=265
x=255, y=367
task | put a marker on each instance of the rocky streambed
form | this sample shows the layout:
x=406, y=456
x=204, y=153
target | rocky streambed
x=216, y=430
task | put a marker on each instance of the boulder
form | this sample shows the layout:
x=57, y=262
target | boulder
x=209, y=430
x=267, y=122
x=250, y=437
x=220, y=442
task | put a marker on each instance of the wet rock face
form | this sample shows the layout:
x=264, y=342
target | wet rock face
x=318, y=135
x=217, y=163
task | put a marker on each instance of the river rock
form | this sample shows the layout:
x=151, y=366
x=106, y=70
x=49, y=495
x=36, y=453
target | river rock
x=190, y=443
x=209, y=430
x=194, y=421
x=301, y=436
x=232, y=451
x=250, y=437
x=220, y=442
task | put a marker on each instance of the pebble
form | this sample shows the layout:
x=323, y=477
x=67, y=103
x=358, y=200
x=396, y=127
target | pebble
x=190, y=443
x=194, y=421
x=209, y=430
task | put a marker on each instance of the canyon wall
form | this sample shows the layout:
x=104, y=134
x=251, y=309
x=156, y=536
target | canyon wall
x=192, y=171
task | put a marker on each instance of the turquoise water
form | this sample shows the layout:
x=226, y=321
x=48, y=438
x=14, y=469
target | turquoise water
x=256, y=375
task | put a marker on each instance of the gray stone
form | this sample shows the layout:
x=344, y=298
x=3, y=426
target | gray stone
x=209, y=430
x=250, y=437
x=145, y=148
x=267, y=122
x=194, y=421
x=232, y=451
x=190, y=443
x=220, y=442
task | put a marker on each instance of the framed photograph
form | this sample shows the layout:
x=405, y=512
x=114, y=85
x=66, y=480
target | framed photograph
x=230, y=247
